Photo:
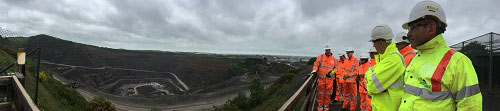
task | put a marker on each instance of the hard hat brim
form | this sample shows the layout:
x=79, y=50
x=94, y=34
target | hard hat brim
x=405, y=25
x=403, y=42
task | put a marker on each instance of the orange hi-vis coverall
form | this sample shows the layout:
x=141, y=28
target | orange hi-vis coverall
x=340, y=81
x=351, y=69
x=372, y=62
x=408, y=54
x=324, y=65
x=365, y=102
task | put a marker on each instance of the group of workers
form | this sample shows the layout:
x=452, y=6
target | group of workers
x=393, y=76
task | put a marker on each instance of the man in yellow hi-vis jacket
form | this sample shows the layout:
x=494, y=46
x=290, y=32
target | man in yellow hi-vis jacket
x=438, y=78
x=385, y=80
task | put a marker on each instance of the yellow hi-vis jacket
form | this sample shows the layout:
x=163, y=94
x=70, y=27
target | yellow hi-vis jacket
x=440, y=79
x=385, y=80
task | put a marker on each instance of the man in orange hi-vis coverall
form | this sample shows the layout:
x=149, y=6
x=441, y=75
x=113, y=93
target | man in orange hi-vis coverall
x=340, y=78
x=404, y=47
x=365, y=102
x=351, y=69
x=324, y=68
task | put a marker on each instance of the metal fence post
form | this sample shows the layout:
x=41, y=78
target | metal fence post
x=463, y=45
x=491, y=60
x=38, y=75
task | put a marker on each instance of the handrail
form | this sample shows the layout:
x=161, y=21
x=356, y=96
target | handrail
x=307, y=89
x=21, y=98
x=313, y=96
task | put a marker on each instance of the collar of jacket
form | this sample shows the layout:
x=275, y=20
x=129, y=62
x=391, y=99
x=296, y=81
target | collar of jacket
x=388, y=51
x=433, y=45
x=406, y=50
x=350, y=59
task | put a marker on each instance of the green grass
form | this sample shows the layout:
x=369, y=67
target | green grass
x=6, y=60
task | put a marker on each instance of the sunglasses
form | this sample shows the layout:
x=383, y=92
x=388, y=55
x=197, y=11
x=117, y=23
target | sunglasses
x=406, y=38
x=421, y=22
x=417, y=25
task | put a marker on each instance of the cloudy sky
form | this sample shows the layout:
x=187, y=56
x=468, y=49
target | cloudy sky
x=283, y=27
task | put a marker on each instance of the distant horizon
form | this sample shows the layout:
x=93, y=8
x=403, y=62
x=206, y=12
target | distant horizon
x=220, y=53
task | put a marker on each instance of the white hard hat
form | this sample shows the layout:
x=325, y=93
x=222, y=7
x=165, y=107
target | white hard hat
x=381, y=32
x=372, y=49
x=423, y=8
x=349, y=49
x=341, y=53
x=364, y=56
x=327, y=46
x=399, y=37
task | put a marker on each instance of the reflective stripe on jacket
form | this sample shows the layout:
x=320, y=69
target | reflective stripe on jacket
x=324, y=64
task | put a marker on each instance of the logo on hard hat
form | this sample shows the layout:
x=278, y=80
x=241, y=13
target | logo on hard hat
x=431, y=7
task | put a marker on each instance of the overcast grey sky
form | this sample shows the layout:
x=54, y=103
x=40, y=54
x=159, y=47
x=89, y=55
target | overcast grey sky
x=284, y=27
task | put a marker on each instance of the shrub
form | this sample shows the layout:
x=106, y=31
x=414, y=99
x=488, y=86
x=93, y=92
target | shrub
x=257, y=92
x=43, y=76
x=311, y=61
x=100, y=104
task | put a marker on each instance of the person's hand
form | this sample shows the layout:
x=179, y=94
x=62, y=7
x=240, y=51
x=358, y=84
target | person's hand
x=330, y=74
x=313, y=73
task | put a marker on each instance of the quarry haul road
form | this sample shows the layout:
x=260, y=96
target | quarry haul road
x=114, y=68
